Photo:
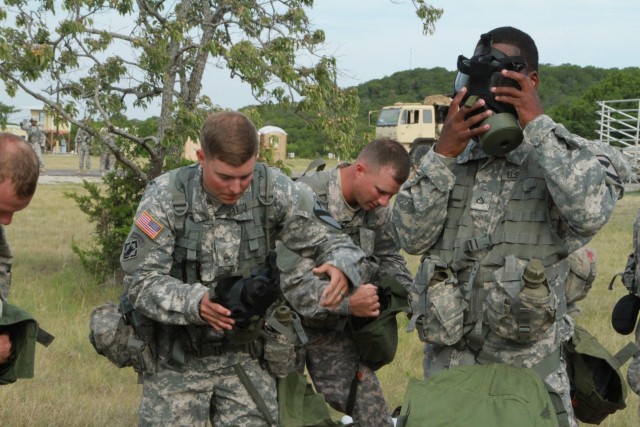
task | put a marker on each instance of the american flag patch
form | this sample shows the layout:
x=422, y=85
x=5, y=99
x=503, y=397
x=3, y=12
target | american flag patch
x=149, y=225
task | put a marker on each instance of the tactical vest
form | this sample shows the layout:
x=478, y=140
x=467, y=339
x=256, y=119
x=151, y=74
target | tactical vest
x=252, y=216
x=254, y=220
x=524, y=231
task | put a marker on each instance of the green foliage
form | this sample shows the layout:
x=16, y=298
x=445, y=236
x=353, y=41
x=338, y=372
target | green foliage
x=5, y=111
x=111, y=211
x=160, y=58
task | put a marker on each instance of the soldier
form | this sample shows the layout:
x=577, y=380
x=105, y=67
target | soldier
x=83, y=145
x=18, y=179
x=107, y=158
x=495, y=218
x=633, y=374
x=35, y=137
x=196, y=265
x=357, y=195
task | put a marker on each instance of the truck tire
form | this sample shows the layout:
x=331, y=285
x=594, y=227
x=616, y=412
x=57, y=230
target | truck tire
x=419, y=148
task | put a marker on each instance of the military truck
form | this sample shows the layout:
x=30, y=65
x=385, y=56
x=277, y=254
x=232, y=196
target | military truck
x=415, y=125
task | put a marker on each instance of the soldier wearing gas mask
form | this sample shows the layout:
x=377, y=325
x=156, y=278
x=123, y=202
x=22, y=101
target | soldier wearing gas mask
x=494, y=209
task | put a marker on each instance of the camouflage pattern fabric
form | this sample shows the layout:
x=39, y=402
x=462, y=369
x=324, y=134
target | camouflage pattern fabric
x=332, y=359
x=171, y=398
x=6, y=259
x=35, y=138
x=582, y=198
x=147, y=260
x=107, y=158
x=83, y=142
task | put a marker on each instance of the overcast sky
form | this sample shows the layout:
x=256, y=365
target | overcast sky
x=376, y=38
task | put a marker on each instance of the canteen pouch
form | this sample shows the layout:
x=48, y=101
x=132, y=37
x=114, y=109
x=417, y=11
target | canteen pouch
x=281, y=342
x=513, y=314
x=437, y=304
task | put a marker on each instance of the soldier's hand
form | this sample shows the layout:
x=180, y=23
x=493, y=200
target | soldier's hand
x=5, y=347
x=525, y=100
x=337, y=288
x=364, y=302
x=457, y=130
x=215, y=315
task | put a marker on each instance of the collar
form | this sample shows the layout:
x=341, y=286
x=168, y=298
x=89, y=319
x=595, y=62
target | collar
x=474, y=152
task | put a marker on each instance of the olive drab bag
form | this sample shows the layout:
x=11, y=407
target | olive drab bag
x=24, y=332
x=598, y=388
x=377, y=339
x=493, y=395
x=625, y=312
x=300, y=406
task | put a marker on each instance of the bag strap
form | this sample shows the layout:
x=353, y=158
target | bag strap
x=255, y=395
x=626, y=353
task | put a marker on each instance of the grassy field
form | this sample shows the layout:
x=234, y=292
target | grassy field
x=73, y=386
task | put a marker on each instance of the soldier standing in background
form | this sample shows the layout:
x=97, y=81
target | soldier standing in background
x=107, y=158
x=35, y=137
x=83, y=144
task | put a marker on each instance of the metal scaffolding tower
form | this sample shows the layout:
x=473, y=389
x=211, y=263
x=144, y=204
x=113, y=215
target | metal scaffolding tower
x=620, y=126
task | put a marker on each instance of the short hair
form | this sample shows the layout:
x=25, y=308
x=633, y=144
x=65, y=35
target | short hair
x=385, y=152
x=521, y=40
x=229, y=136
x=19, y=163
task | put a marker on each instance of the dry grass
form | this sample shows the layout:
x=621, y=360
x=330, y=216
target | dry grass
x=74, y=386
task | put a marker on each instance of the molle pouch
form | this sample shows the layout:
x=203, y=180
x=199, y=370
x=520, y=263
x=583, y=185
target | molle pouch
x=283, y=335
x=109, y=334
x=439, y=303
x=518, y=311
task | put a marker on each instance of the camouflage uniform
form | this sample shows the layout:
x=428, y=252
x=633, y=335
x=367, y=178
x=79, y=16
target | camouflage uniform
x=83, y=143
x=6, y=259
x=35, y=138
x=331, y=355
x=633, y=374
x=570, y=182
x=107, y=158
x=203, y=387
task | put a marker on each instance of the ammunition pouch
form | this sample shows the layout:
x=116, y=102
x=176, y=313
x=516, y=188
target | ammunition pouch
x=440, y=304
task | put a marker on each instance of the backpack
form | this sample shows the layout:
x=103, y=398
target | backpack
x=625, y=312
x=598, y=388
x=493, y=395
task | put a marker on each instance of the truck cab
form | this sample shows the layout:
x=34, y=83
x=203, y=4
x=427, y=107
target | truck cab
x=416, y=126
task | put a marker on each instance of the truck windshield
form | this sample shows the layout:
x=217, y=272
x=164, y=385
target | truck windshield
x=388, y=117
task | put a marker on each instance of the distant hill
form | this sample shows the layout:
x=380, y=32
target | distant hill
x=568, y=94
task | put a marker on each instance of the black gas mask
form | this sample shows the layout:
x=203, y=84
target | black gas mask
x=481, y=72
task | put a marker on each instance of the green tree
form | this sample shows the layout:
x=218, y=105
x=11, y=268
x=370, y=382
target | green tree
x=94, y=71
x=5, y=111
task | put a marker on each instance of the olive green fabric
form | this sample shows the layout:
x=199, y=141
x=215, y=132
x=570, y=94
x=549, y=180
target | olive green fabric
x=300, y=406
x=598, y=388
x=377, y=339
x=495, y=395
x=23, y=330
